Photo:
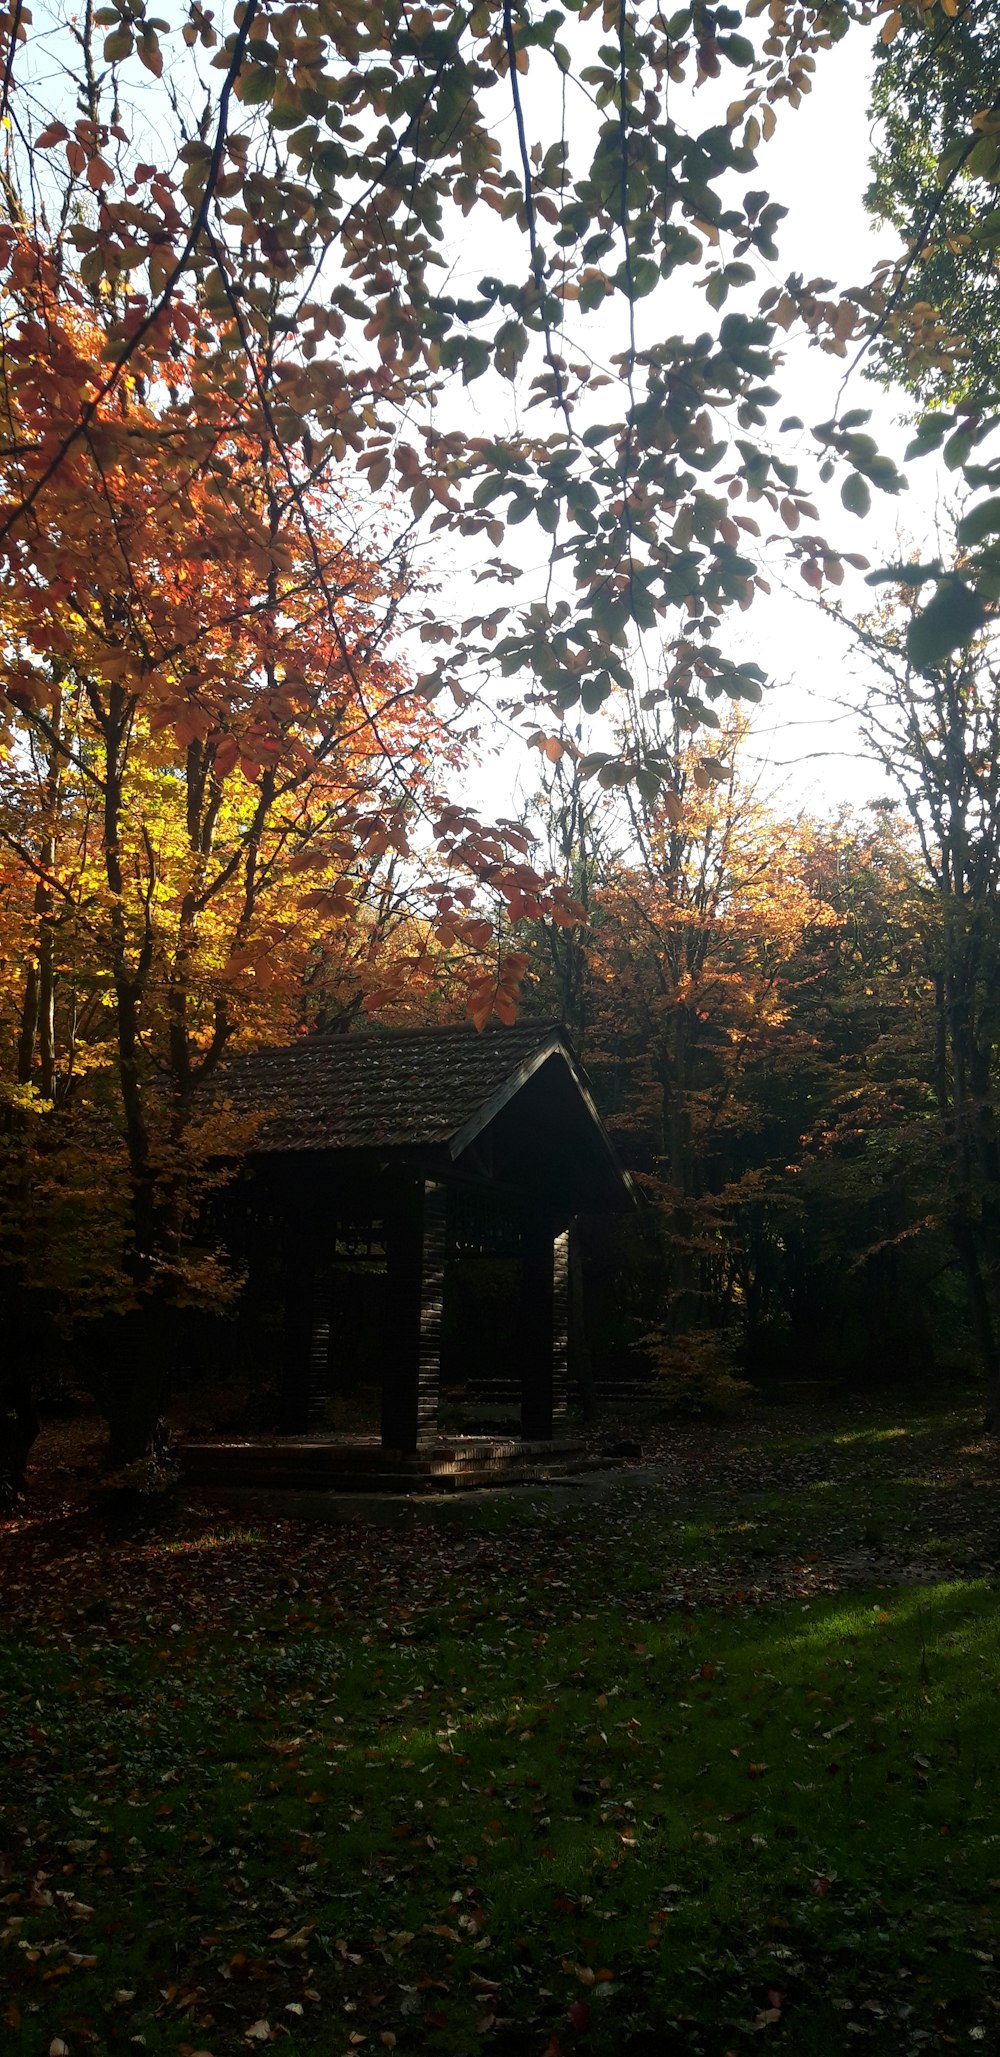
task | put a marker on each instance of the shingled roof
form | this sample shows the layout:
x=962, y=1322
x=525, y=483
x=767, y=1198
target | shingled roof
x=393, y=1088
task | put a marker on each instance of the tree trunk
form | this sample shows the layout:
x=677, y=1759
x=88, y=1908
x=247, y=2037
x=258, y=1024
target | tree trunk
x=126, y=1357
x=984, y=1324
x=29, y=1028
x=19, y=1425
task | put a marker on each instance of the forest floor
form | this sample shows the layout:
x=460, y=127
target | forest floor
x=705, y=1754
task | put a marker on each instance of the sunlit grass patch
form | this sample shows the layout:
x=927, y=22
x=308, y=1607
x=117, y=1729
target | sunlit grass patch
x=228, y=1539
x=847, y=1438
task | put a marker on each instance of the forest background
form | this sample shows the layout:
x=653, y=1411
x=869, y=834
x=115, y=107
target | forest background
x=265, y=422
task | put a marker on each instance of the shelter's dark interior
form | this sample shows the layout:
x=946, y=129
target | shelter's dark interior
x=404, y=1222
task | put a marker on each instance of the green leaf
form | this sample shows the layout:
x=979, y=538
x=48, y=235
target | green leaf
x=855, y=495
x=987, y=230
x=951, y=619
x=980, y=522
x=957, y=449
x=475, y=358
x=930, y=434
x=593, y=696
x=255, y=86
x=645, y=277
x=884, y=475
x=904, y=575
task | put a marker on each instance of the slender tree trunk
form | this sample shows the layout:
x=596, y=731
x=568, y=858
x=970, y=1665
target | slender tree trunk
x=983, y=1318
x=129, y=1365
x=19, y=1425
x=29, y=1028
x=37, y=1038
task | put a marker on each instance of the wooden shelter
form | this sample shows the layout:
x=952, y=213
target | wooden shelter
x=393, y=1150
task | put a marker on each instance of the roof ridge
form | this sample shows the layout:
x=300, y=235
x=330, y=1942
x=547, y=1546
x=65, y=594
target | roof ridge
x=426, y=1030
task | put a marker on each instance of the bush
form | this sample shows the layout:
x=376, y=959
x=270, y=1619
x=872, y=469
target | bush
x=695, y=1370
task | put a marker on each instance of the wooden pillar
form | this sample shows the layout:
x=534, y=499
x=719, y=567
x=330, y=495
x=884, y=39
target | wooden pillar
x=318, y=1369
x=300, y=1273
x=543, y=1328
x=560, y=1327
x=415, y=1281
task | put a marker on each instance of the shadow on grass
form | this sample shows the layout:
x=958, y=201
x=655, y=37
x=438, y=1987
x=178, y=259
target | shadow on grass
x=456, y=1842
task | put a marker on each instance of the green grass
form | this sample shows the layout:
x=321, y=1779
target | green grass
x=459, y=1805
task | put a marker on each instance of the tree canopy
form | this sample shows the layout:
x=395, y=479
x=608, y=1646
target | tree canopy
x=934, y=90
x=321, y=182
x=313, y=318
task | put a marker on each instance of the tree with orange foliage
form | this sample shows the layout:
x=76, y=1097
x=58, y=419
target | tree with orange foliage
x=703, y=909
x=754, y=997
x=695, y=941
x=214, y=762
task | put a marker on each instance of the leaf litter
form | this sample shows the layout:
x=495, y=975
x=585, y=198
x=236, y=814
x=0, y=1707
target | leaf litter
x=419, y=1786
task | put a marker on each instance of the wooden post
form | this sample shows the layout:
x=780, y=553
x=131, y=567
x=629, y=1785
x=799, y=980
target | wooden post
x=560, y=1327
x=318, y=1372
x=543, y=1328
x=300, y=1269
x=415, y=1281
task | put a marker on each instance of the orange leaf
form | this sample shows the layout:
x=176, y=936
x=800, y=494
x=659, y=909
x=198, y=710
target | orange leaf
x=480, y=1007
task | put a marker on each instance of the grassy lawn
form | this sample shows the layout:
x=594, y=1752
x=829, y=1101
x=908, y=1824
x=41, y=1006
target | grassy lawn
x=707, y=1754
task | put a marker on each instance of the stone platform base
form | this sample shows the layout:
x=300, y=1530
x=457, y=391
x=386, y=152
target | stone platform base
x=359, y=1464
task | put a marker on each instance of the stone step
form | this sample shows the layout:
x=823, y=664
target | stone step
x=363, y=1465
